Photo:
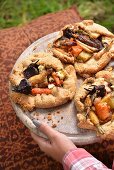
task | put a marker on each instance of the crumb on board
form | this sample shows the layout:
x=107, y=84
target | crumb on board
x=58, y=121
x=54, y=125
x=61, y=117
x=58, y=112
x=34, y=48
x=35, y=114
x=49, y=117
x=49, y=45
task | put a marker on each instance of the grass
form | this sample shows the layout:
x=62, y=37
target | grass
x=19, y=12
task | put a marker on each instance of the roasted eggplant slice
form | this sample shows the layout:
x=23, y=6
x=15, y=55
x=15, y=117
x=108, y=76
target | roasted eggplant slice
x=31, y=70
x=24, y=87
x=68, y=33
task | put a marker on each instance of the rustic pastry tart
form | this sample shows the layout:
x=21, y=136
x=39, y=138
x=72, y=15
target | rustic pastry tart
x=94, y=101
x=42, y=81
x=87, y=45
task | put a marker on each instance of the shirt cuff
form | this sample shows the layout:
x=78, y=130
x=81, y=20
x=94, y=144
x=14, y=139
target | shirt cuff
x=74, y=156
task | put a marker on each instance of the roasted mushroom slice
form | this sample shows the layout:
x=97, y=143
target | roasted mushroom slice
x=96, y=43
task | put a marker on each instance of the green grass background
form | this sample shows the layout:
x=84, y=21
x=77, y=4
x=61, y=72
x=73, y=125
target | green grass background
x=19, y=12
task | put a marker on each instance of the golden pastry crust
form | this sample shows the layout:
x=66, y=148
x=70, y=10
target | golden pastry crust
x=63, y=56
x=92, y=66
x=91, y=59
x=59, y=94
x=105, y=78
x=93, y=28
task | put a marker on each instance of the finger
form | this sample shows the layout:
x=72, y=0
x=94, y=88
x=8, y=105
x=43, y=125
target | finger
x=44, y=128
x=36, y=122
x=37, y=139
x=43, y=143
x=47, y=130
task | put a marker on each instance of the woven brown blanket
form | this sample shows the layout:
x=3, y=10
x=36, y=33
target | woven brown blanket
x=17, y=149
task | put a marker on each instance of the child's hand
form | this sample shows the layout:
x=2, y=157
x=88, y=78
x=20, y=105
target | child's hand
x=57, y=145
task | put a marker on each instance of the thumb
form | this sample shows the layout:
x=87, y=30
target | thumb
x=44, y=128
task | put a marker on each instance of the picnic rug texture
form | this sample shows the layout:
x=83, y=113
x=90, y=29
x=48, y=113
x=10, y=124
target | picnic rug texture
x=18, y=151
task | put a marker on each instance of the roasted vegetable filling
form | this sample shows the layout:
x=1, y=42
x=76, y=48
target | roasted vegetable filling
x=39, y=79
x=79, y=44
x=99, y=104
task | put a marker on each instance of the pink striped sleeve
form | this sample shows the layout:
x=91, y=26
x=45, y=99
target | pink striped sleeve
x=79, y=158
